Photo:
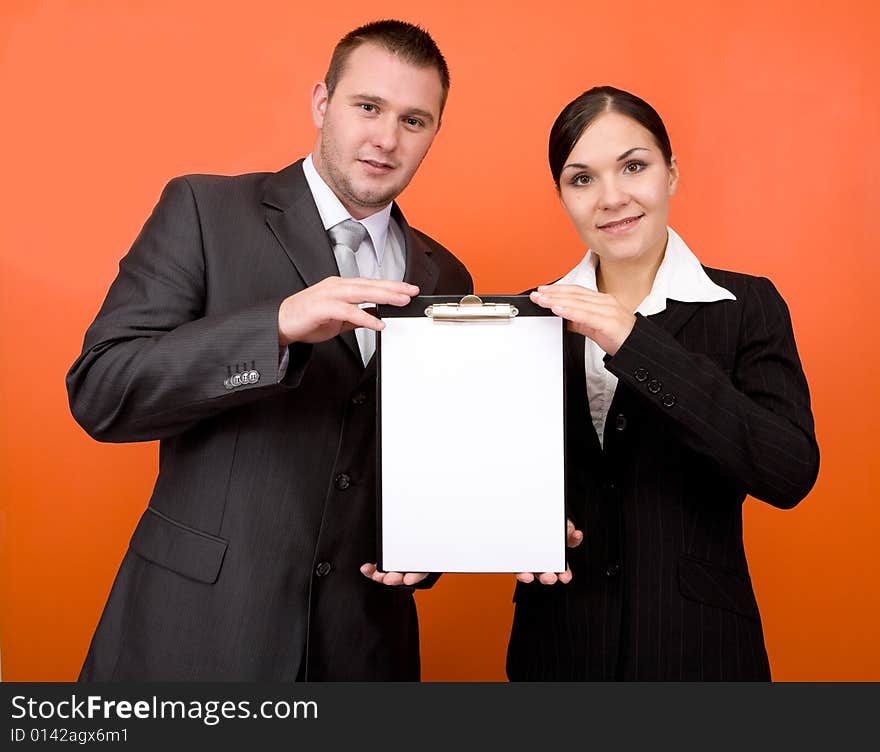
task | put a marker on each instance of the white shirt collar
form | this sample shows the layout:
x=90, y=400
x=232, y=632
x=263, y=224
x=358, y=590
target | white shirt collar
x=332, y=211
x=680, y=277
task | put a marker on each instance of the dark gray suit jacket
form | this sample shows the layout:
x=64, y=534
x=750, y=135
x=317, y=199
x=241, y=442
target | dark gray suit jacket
x=711, y=405
x=245, y=565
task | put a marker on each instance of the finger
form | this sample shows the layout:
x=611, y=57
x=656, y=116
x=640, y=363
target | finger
x=576, y=310
x=541, y=300
x=369, y=283
x=360, y=290
x=587, y=314
x=525, y=577
x=414, y=578
x=368, y=569
x=571, y=290
x=565, y=577
x=547, y=578
x=360, y=318
x=378, y=576
x=573, y=536
x=393, y=578
x=597, y=307
x=348, y=316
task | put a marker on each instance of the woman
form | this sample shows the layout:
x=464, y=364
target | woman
x=685, y=394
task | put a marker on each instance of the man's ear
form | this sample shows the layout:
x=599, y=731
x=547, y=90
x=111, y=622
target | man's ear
x=320, y=98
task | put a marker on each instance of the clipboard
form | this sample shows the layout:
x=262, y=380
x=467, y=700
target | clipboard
x=471, y=431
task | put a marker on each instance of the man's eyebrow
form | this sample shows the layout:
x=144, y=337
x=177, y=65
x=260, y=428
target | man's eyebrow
x=582, y=166
x=381, y=102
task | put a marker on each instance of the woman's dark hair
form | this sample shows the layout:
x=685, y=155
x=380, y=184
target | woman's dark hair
x=579, y=114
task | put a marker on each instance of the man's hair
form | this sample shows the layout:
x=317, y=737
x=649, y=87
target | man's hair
x=411, y=43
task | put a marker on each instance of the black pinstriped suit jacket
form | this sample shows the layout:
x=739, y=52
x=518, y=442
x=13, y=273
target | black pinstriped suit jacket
x=245, y=565
x=711, y=405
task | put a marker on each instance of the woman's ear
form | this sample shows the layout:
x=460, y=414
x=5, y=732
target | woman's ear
x=673, y=175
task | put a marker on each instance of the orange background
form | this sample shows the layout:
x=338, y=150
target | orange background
x=773, y=112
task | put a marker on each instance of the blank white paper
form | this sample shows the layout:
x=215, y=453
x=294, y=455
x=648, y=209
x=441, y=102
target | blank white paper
x=472, y=433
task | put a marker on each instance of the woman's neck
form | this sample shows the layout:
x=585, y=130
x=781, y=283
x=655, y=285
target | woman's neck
x=630, y=280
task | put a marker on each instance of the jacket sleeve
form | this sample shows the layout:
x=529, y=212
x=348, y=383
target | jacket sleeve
x=153, y=364
x=755, y=423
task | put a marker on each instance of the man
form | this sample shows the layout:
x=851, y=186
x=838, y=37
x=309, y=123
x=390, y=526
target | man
x=228, y=336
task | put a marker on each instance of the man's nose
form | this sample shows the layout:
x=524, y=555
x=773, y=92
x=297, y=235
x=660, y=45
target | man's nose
x=385, y=133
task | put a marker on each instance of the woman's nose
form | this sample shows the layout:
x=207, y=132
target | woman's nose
x=612, y=195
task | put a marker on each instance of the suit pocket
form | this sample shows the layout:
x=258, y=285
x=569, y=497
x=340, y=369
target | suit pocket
x=185, y=550
x=717, y=586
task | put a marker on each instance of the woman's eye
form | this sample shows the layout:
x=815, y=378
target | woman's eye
x=581, y=180
x=634, y=167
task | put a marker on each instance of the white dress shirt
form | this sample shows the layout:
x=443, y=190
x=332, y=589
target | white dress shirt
x=680, y=277
x=382, y=254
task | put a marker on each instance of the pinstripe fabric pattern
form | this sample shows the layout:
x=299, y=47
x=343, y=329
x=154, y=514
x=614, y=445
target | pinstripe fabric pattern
x=712, y=405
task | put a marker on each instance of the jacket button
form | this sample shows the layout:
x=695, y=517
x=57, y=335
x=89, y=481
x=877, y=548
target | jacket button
x=359, y=398
x=620, y=422
x=668, y=400
x=235, y=380
x=343, y=481
x=323, y=569
x=641, y=374
x=654, y=386
x=611, y=570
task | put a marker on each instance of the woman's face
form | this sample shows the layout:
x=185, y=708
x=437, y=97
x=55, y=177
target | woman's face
x=615, y=185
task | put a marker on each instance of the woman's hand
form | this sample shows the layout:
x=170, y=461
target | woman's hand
x=594, y=314
x=573, y=538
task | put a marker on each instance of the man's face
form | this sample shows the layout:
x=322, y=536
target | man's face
x=376, y=129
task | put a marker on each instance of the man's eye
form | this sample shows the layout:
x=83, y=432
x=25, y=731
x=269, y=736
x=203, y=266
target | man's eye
x=366, y=107
x=414, y=122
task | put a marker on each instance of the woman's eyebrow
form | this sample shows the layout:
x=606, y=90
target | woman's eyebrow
x=630, y=151
x=583, y=166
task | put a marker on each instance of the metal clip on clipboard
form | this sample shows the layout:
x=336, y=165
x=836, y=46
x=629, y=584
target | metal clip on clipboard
x=471, y=308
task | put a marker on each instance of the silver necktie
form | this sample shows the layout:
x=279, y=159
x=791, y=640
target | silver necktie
x=347, y=237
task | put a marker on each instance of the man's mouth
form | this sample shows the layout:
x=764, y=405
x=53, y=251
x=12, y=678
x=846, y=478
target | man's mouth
x=375, y=165
x=620, y=225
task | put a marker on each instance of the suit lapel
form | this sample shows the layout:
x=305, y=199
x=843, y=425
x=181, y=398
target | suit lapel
x=421, y=270
x=293, y=218
x=676, y=315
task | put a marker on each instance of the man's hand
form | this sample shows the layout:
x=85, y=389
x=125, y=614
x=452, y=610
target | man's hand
x=573, y=538
x=392, y=578
x=594, y=314
x=326, y=309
